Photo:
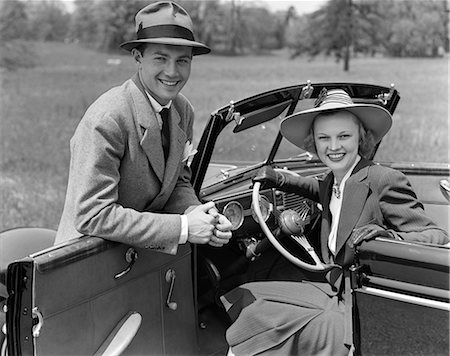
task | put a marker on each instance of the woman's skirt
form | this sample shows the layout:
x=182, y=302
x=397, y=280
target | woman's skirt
x=285, y=318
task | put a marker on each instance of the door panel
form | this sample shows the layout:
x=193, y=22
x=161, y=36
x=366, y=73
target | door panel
x=75, y=290
x=392, y=327
x=402, y=298
x=180, y=326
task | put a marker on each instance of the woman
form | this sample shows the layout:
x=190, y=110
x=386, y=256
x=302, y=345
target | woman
x=361, y=201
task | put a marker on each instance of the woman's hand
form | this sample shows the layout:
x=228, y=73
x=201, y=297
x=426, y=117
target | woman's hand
x=268, y=177
x=366, y=233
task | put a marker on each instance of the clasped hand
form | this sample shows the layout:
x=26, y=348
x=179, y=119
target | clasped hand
x=366, y=233
x=207, y=226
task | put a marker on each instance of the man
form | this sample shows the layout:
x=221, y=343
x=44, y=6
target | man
x=129, y=180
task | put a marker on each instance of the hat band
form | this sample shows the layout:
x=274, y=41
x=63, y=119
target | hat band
x=161, y=31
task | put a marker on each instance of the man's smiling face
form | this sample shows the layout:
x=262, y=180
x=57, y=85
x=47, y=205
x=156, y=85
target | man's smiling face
x=164, y=70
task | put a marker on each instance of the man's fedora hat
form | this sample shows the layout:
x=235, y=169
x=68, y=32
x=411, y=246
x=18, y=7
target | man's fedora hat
x=296, y=127
x=165, y=22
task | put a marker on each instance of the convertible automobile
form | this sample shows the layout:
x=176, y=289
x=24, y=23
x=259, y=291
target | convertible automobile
x=92, y=296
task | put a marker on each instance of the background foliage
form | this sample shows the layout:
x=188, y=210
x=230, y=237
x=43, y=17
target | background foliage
x=41, y=106
x=55, y=64
x=342, y=28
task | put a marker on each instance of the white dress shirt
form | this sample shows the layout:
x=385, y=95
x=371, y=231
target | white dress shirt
x=335, y=208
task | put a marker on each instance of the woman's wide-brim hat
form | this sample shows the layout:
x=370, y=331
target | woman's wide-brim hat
x=165, y=22
x=296, y=127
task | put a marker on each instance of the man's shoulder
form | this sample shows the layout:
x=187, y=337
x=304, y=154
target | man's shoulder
x=112, y=106
x=183, y=105
x=113, y=99
x=120, y=92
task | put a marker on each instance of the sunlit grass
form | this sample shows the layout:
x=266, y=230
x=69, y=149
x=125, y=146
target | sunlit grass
x=41, y=107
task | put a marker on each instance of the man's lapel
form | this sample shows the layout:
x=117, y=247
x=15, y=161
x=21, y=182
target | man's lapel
x=354, y=198
x=151, y=139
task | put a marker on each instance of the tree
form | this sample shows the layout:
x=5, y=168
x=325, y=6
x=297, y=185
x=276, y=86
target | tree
x=370, y=30
x=48, y=20
x=400, y=28
x=227, y=27
x=417, y=28
x=260, y=30
x=13, y=20
x=207, y=18
x=303, y=34
x=83, y=25
x=105, y=24
x=234, y=39
x=15, y=51
x=328, y=30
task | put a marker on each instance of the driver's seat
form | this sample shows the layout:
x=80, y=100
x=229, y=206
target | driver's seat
x=16, y=244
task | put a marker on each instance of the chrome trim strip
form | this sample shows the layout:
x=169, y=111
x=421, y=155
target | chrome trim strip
x=405, y=298
x=407, y=287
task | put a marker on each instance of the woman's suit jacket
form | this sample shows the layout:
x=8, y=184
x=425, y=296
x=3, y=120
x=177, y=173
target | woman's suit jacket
x=120, y=187
x=373, y=194
x=315, y=317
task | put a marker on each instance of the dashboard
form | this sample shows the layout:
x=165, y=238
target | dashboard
x=239, y=210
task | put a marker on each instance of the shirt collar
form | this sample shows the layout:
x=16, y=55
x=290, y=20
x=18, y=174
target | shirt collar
x=349, y=172
x=157, y=106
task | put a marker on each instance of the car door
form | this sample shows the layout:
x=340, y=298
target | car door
x=401, y=298
x=73, y=299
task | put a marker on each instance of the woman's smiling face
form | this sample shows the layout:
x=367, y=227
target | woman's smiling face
x=336, y=136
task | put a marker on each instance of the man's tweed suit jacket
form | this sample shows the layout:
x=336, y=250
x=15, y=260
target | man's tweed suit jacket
x=120, y=188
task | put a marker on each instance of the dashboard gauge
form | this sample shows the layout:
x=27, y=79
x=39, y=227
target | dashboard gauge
x=234, y=212
x=266, y=208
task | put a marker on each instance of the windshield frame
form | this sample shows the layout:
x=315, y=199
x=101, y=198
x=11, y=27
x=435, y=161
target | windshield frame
x=252, y=111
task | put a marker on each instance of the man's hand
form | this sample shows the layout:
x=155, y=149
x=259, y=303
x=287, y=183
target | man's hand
x=222, y=231
x=366, y=233
x=201, y=223
x=268, y=177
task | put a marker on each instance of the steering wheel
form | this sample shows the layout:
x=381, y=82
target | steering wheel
x=301, y=240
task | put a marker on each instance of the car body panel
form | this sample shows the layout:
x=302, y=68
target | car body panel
x=75, y=289
x=402, y=295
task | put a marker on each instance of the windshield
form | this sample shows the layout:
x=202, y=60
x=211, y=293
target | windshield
x=234, y=151
x=253, y=145
x=248, y=146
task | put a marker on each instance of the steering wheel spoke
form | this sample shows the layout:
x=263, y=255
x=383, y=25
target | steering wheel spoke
x=303, y=242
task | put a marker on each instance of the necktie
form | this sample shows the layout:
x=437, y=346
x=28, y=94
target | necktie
x=165, y=134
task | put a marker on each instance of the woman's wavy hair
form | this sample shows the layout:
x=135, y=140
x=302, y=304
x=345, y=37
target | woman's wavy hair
x=366, y=139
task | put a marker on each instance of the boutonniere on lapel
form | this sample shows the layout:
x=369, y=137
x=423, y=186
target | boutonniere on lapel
x=189, y=151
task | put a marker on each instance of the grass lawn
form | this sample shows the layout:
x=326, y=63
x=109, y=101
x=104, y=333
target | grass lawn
x=41, y=107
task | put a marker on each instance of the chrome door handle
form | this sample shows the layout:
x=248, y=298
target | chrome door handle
x=131, y=257
x=170, y=278
x=445, y=188
x=37, y=327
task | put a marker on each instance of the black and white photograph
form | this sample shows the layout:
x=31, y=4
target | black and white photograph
x=224, y=177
